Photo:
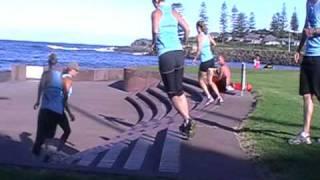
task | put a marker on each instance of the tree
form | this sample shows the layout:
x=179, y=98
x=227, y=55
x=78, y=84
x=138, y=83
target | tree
x=224, y=19
x=179, y=8
x=283, y=20
x=203, y=12
x=252, y=22
x=294, y=21
x=243, y=24
x=235, y=22
x=275, y=25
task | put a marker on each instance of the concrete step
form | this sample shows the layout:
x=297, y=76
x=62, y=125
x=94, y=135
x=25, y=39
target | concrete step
x=170, y=156
x=140, y=150
x=112, y=155
x=161, y=96
x=142, y=108
x=151, y=105
x=161, y=107
x=191, y=81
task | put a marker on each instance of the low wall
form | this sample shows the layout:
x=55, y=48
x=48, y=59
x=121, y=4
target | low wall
x=23, y=72
x=136, y=80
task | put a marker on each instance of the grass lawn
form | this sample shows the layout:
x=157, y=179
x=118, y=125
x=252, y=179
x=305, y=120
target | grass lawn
x=278, y=117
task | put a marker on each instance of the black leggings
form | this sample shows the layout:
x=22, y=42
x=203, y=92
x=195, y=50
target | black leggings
x=65, y=126
x=171, y=67
x=46, y=128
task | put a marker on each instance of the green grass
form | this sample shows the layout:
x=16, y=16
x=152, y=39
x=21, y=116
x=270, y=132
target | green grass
x=278, y=117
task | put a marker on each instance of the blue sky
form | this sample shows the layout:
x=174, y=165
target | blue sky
x=115, y=22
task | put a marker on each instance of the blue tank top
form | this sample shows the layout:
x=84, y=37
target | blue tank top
x=52, y=97
x=313, y=21
x=168, y=38
x=206, y=53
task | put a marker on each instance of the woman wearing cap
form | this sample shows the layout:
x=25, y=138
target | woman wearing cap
x=165, y=39
x=207, y=65
x=71, y=71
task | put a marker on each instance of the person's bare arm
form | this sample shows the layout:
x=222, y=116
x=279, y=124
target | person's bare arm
x=67, y=83
x=155, y=19
x=40, y=89
x=297, y=55
x=199, y=47
x=183, y=24
x=212, y=41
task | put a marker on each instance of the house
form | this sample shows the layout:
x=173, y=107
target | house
x=214, y=34
x=226, y=37
x=252, y=38
x=271, y=40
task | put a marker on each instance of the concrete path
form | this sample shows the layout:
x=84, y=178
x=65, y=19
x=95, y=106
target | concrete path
x=101, y=113
x=116, y=132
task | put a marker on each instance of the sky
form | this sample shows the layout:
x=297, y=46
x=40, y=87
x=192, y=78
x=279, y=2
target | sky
x=117, y=22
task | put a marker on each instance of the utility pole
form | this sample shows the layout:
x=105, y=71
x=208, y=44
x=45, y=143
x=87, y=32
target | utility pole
x=289, y=45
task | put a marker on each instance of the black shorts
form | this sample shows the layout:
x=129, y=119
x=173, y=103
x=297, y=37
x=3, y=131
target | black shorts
x=171, y=67
x=310, y=76
x=204, y=66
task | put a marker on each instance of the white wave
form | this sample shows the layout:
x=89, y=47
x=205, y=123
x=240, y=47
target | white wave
x=63, y=48
x=140, y=53
x=106, y=49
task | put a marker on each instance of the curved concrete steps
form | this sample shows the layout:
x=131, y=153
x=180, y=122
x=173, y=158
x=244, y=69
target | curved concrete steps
x=153, y=144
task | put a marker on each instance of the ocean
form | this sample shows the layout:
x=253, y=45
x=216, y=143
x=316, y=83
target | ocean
x=88, y=56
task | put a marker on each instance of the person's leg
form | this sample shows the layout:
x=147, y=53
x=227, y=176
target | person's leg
x=213, y=85
x=308, y=112
x=65, y=126
x=172, y=75
x=180, y=103
x=202, y=78
x=180, y=100
x=305, y=90
x=227, y=77
x=40, y=136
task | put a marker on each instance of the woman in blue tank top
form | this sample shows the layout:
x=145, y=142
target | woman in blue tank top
x=165, y=40
x=53, y=93
x=310, y=69
x=207, y=65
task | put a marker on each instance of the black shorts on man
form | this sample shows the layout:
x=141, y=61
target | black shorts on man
x=310, y=76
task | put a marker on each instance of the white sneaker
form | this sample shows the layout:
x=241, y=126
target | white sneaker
x=209, y=101
x=301, y=138
x=229, y=88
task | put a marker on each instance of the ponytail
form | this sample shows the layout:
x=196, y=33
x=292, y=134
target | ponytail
x=202, y=25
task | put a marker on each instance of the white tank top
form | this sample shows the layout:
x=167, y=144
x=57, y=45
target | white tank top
x=69, y=90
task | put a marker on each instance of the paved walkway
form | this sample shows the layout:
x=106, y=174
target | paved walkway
x=101, y=112
x=132, y=134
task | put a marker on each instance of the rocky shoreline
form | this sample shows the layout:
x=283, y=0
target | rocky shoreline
x=276, y=57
